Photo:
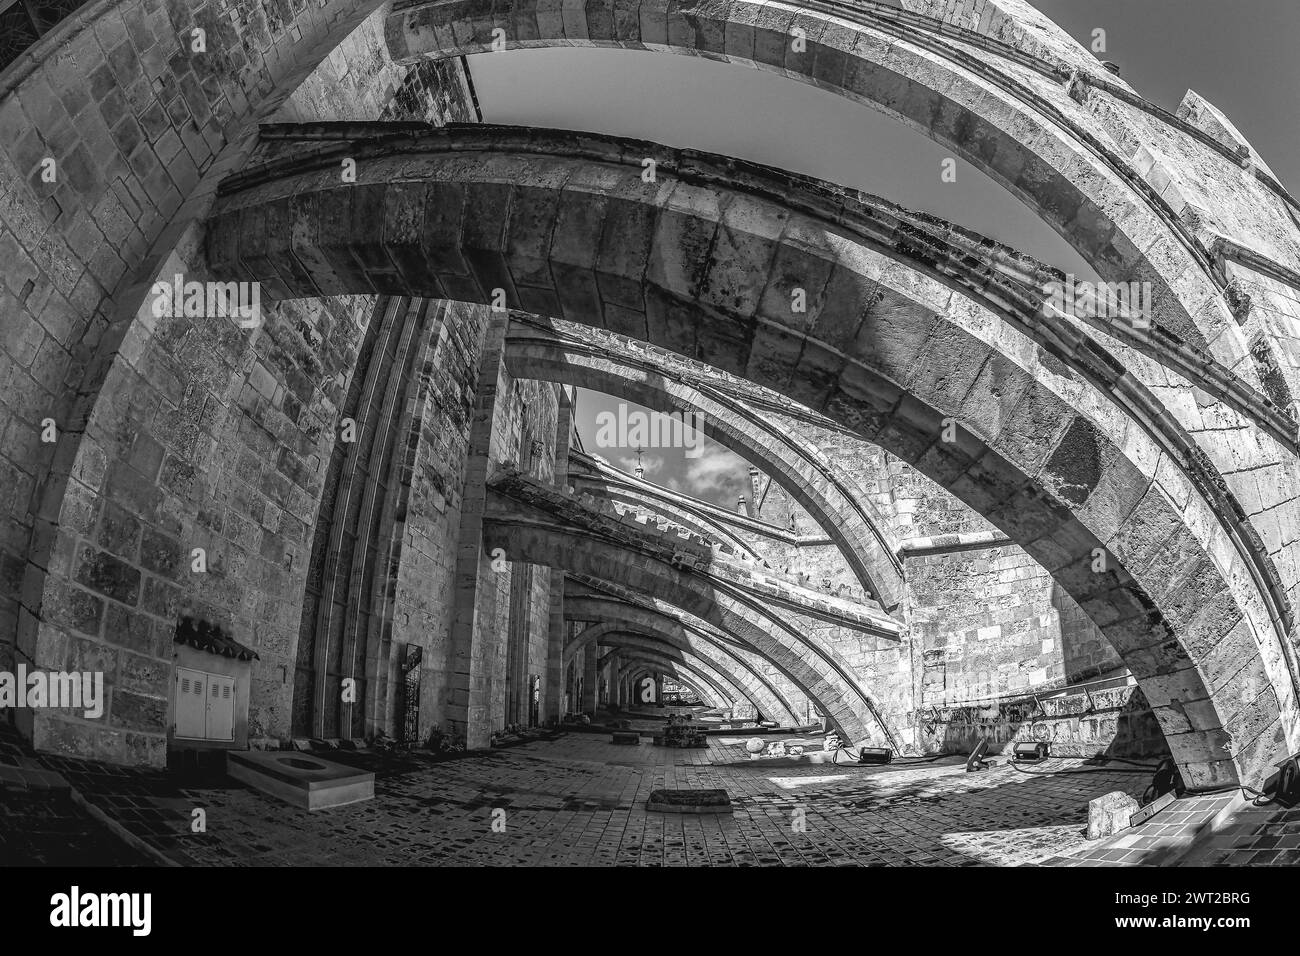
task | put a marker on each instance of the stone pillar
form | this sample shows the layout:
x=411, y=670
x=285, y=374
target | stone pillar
x=636, y=688
x=553, y=685
x=589, y=677
x=612, y=677
x=468, y=704
x=553, y=679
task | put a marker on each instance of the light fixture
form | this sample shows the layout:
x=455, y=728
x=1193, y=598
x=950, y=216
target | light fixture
x=1029, y=752
x=1166, y=779
x=976, y=761
x=1287, y=792
x=875, y=755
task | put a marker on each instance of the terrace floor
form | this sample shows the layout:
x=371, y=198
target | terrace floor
x=578, y=799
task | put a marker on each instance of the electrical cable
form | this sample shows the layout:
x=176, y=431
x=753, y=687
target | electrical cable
x=909, y=760
x=1255, y=796
x=1167, y=780
x=1258, y=798
x=1145, y=766
x=1071, y=773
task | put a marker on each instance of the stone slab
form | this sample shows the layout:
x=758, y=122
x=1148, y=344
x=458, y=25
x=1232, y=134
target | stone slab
x=688, y=801
x=306, y=782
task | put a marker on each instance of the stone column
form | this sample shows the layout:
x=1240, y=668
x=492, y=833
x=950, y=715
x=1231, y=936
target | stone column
x=615, y=700
x=553, y=682
x=468, y=704
x=553, y=679
x=589, y=677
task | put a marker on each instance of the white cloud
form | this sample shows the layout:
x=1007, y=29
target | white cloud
x=713, y=475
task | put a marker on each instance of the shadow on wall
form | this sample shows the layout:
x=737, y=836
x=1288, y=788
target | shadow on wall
x=1115, y=722
x=1085, y=651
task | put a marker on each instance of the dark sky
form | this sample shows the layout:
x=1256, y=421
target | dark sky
x=1239, y=54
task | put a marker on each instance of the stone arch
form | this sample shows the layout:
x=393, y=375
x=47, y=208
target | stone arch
x=814, y=666
x=745, y=680
x=640, y=644
x=703, y=671
x=600, y=606
x=659, y=617
x=847, y=516
x=617, y=486
x=650, y=662
x=1021, y=128
x=701, y=691
x=917, y=330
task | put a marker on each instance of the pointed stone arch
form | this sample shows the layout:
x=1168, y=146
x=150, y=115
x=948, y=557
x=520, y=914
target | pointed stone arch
x=747, y=681
x=847, y=516
x=703, y=671
x=1021, y=127
x=658, y=617
x=611, y=484
x=654, y=663
x=813, y=665
x=924, y=339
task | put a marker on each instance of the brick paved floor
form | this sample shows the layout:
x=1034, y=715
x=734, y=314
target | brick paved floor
x=41, y=825
x=1253, y=836
x=581, y=800
x=1221, y=830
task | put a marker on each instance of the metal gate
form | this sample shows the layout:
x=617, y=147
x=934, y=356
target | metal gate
x=411, y=694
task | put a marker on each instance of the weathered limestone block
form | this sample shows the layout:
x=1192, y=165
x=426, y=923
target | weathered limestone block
x=1110, y=814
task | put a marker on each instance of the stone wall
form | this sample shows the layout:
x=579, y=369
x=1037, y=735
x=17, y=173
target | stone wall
x=205, y=435
x=811, y=555
x=216, y=441
x=990, y=622
x=1114, y=722
x=134, y=119
x=360, y=81
x=983, y=624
